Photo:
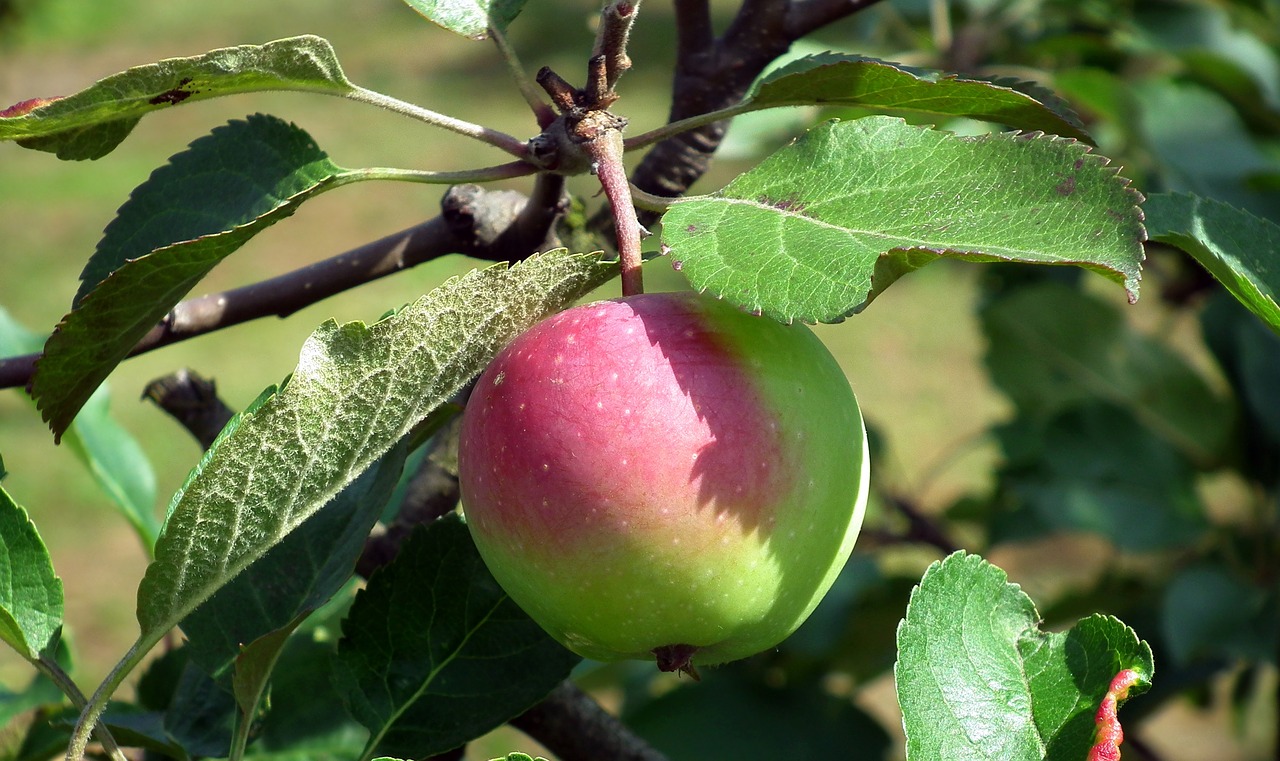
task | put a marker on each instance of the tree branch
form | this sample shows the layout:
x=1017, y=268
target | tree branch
x=193, y=401
x=571, y=724
x=810, y=15
x=491, y=225
x=432, y=494
x=694, y=33
x=716, y=74
x=616, y=20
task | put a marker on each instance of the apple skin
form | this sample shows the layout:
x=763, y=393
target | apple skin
x=664, y=474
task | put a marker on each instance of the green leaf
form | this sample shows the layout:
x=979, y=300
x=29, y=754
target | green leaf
x=1239, y=249
x=1249, y=354
x=295, y=577
x=1095, y=468
x=821, y=227
x=187, y=217
x=434, y=653
x=1207, y=37
x=977, y=679
x=307, y=719
x=254, y=666
x=796, y=721
x=40, y=691
x=117, y=463
x=30, y=591
x=110, y=453
x=201, y=715
x=357, y=390
x=1213, y=155
x=469, y=18
x=1210, y=613
x=1047, y=363
x=91, y=123
x=834, y=79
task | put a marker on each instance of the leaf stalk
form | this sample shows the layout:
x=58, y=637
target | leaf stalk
x=498, y=139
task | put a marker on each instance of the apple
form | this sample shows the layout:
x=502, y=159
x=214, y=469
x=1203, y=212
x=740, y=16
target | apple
x=664, y=475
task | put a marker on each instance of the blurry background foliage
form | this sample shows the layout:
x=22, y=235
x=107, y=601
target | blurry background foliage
x=1112, y=458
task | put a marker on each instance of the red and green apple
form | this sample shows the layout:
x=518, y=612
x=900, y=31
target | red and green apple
x=664, y=476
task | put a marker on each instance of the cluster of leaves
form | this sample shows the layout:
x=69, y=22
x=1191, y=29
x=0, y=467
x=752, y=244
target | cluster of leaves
x=1112, y=430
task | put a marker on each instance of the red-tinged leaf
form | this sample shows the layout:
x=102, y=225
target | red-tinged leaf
x=978, y=679
x=27, y=106
x=92, y=122
x=1110, y=734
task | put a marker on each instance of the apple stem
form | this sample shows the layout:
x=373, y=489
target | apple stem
x=606, y=160
x=592, y=130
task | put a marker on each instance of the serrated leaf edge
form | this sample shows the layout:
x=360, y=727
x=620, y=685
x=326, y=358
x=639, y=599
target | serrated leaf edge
x=1130, y=282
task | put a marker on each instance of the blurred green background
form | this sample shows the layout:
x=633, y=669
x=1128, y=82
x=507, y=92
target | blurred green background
x=914, y=358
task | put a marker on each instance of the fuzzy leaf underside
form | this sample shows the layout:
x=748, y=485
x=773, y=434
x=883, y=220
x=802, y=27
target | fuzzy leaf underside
x=357, y=390
x=294, y=578
x=469, y=18
x=187, y=217
x=434, y=653
x=833, y=79
x=30, y=592
x=92, y=122
x=821, y=227
x=977, y=678
x=1239, y=249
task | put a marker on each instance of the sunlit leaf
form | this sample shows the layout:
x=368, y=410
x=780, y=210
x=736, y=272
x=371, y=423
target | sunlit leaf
x=30, y=591
x=89, y=124
x=1241, y=250
x=469, y=18
x=292, y=579
x=978, y=679
x=818, y=229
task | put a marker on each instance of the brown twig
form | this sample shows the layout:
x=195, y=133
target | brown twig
x=616, y=20
x=571, y=724
x=490, y=225
x=193, y=401
x=921, y=528
x=432, y=494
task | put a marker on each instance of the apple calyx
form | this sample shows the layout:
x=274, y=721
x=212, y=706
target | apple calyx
x=677, y=658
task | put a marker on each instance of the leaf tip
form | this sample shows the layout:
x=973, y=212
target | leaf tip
x=24, y=107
